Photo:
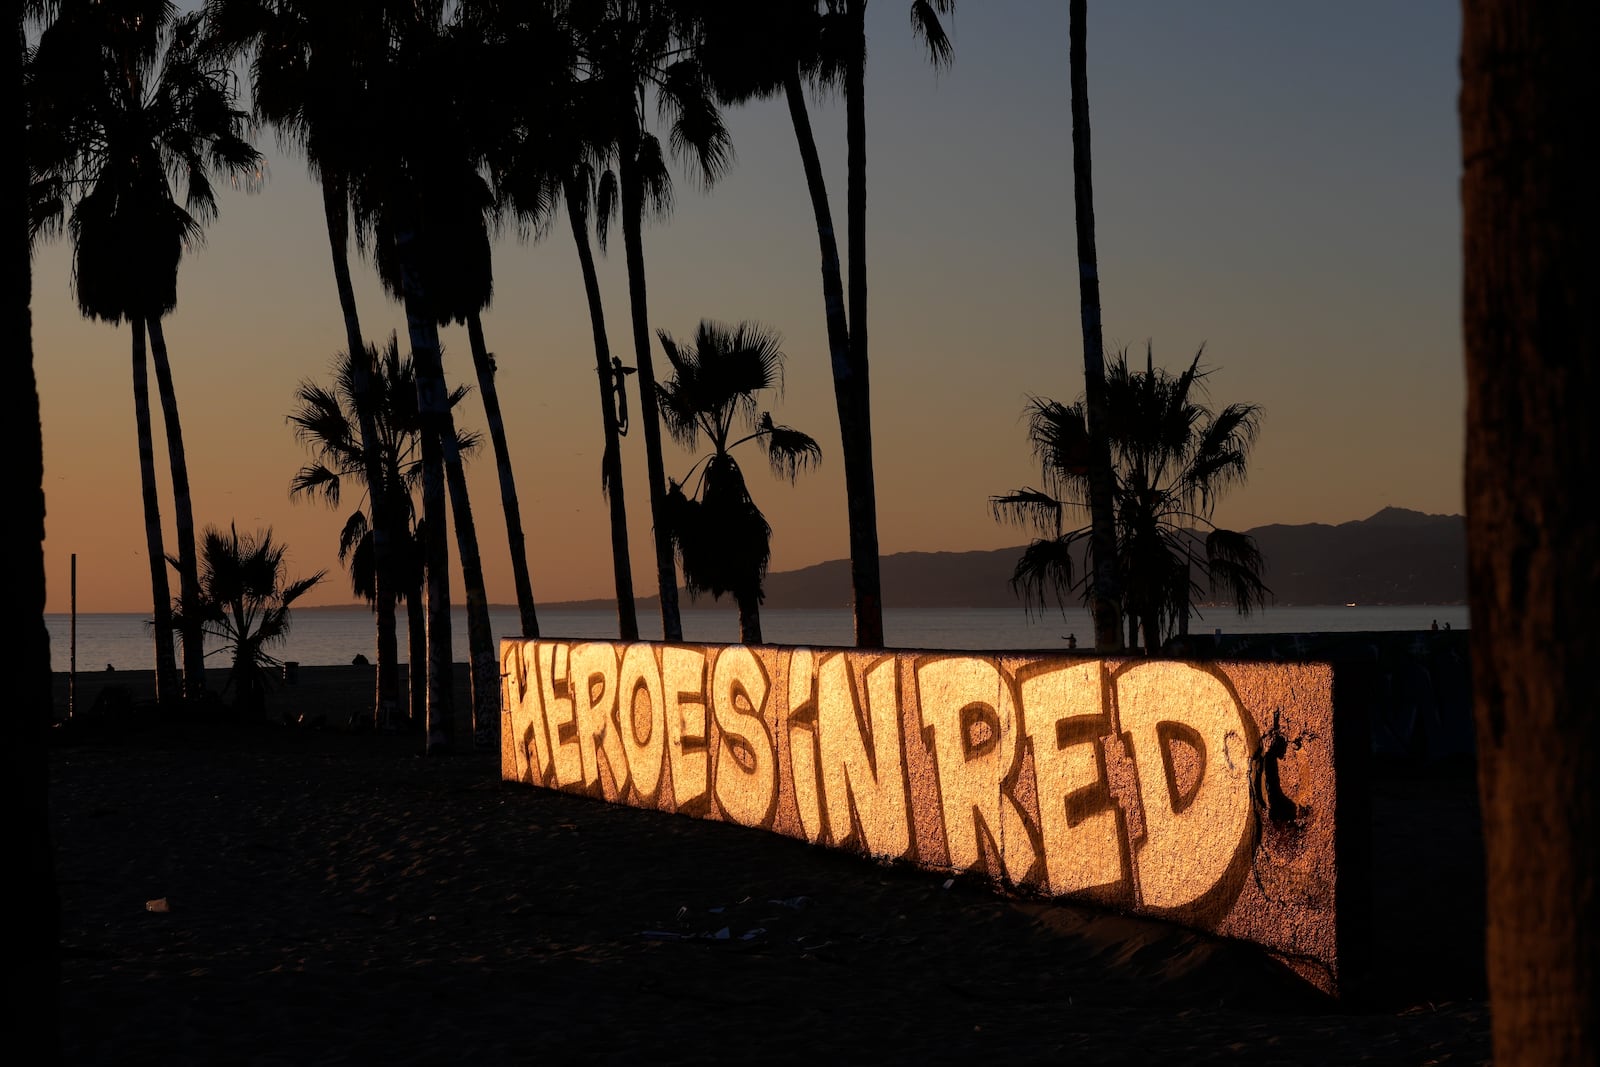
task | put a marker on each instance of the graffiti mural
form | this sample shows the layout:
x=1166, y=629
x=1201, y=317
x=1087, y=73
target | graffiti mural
x=1202, y=793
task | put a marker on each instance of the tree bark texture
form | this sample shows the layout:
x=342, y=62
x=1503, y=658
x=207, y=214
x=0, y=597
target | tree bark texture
x=611, y=458
x=1104, y=601
x=1531, y=299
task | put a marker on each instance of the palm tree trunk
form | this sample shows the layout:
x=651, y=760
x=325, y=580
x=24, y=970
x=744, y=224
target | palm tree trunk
x=1104, y=599
x=1532, y=339
x=36, y=945
x=856, y=442
x=417, y=659
x=749, y=618
x=484, y=364
x=855, y=437
x=194, y=652
x=386, y=698
x=611, y=459
x=167, y=685
x=433, y=404
x=649, y=415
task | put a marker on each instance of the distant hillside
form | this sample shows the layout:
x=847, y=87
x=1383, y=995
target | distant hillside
x=1394, y=557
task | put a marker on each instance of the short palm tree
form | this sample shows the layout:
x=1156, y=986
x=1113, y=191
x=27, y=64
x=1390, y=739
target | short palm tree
x=720, y=535
x=326, y=421
x=130, y=97
x=244, y=604
x=1172, y=457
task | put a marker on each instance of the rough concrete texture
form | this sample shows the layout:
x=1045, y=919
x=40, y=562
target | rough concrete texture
x=1202, y=793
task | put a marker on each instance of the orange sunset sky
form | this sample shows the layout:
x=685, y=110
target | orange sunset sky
x=1276, y=181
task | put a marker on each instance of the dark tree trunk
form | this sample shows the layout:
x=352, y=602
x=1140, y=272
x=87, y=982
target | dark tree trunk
x=611, y=458
x=749, y=617
x=417, y=656
x=35, y=962
x=856, y=439
x=1104, y=599
x=855, y=435
x=167, y=685
x=483, y=363
x=194, y=652
x=1531, y=225
x=649, y=415
x=433, y=405
x=387, y=695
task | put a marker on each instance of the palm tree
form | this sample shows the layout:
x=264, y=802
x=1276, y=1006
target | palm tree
x=721, y=536
x=551, y=161
x=398, y=193
x=37, y=946
x=761, y=50
x=326, y=421
x=135, y=98
x=308, y=63
x=244, y=604
x=627, y=48
x=1531, y=327
x=1173, y=458
x=1104, y=592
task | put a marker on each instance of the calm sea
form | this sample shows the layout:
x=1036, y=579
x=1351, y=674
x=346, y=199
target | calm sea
x=327, y=636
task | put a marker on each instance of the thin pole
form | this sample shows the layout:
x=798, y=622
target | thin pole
x=72, y=656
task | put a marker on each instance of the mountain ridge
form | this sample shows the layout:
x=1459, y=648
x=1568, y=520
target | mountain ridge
x=1395, y=556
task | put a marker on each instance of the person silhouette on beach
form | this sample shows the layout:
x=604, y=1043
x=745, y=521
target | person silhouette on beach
x=1072, y=640
x=1435, y=625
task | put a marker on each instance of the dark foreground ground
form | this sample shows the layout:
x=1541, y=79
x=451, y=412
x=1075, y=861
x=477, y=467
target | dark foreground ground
x=274, y=895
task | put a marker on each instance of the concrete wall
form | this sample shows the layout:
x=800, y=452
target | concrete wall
x=1202, y=793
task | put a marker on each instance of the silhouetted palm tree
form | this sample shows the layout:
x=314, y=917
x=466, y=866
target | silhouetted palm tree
x=453, y=233
x=629, y=48
x=133, y=98
x=760, y=50
x=550, y=161
x=1173, y=459
x=244, y=604
x=36, y=945
x=308, y=61
x=402, y=184
x=1105, y=592
x=325, y=420
x=721, y=536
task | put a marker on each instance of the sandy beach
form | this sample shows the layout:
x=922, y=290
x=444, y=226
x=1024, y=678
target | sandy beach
x=268, y=894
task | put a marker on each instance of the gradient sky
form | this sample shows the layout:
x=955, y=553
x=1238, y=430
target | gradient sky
x=1275, y=181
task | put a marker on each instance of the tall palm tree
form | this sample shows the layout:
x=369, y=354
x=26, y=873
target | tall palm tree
x=136, y=98
x=760, y=51
x=398, y=193
x=630, y=48
x=325, y=420
x=308, y=64
x=37, y=946
x=244, y=603
x=1173, y=458
x=1532, y=332
x=1104, y=592
x=721, y=536
x=549, y=162
x=455, y=234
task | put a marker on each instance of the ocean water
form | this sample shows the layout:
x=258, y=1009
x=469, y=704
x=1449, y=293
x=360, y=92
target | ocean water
x=328, y=636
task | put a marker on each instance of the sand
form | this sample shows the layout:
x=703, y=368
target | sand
x=266, y=894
